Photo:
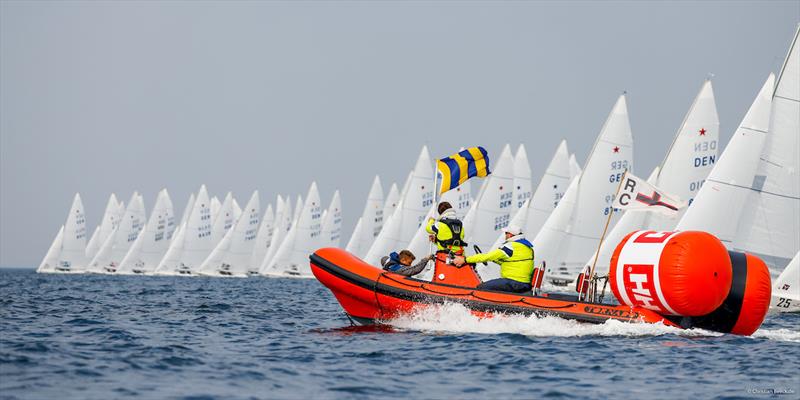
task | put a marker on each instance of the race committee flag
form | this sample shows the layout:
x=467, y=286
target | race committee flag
x=635, y=194
x=459, y=167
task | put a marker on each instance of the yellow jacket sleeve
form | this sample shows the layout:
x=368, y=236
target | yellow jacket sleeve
x=494, y=256
x=429, y=226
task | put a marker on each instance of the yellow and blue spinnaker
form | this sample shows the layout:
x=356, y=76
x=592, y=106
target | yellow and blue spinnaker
x=459, y=167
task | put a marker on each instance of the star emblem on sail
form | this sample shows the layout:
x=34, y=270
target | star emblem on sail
x=636, y=194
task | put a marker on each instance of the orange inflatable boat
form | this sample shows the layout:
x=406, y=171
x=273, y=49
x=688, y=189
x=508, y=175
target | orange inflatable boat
x=681, y=279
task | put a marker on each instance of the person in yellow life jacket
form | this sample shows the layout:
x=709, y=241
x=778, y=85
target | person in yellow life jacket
x=446, y=231
x=515, y=257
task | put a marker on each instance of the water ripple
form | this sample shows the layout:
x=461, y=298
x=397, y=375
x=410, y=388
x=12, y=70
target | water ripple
x=100, y=337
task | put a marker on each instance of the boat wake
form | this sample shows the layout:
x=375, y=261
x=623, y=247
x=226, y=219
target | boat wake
x=452, y=317
x=780, y=335
x=455, y=318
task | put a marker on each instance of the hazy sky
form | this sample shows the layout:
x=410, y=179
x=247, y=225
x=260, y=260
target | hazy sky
x=101, y=97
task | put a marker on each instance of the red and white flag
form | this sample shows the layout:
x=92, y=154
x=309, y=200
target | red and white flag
x=635, y=194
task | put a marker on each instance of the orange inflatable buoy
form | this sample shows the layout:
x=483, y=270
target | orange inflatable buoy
x=747, y=303
x=672, y=273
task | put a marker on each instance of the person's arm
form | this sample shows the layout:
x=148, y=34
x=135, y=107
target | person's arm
x=412, y=270
x=429, y=227
x=494, y=256
x=384, y=259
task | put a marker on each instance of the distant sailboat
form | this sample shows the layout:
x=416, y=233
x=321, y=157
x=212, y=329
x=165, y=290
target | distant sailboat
x=416, y=199
x=231, y=256
x=111, y=218
x=370, y=222
x=190, y=246
x=215, y=206
x=263, y=238
x=283, y=223
x=722, y=197
x=774, y=198
x=187, y=210
x=786, y=290
x=572, y=232
x=152, y=243
x=224, y=220
x=116, y=246
x=751, y=199
x=574, y=167
x=48, y=264
x=390, y=202
x=686, y=165
x=72, y=256
x=332, y=223
x=522, y=177
x=303, y=238
x=548, y=193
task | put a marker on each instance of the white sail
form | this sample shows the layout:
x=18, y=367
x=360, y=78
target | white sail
x=151, y=244
x=263, y=238
x=415, y=200
x=574, y=167
x=72, y=257
x=193, y=243
x=492, y=208
x=332, y=223
x=770, y=224
x=390, y=202
x=231, y=257
x=172, y=258
x=522, y=178
x=283, y=223
x=548, y=192
x=224, y=220
x=786, y=290
x=370, y=223
x=114, y=250
x=566, y=244
x=50, y=260
x=717, y=206
x=237, y=210
x=110, y=220
x=303, y=238
x=215, y=206
x=187, y=210
x=298, y=208
x=686, y=165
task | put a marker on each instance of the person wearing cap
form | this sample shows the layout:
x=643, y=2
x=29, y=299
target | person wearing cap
x=515, y=257
x=446, y=231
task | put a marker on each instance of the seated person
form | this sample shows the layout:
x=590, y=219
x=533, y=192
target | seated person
x=515, y=257
x=400, y=263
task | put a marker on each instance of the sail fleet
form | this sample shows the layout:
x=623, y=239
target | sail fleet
x=748, y=195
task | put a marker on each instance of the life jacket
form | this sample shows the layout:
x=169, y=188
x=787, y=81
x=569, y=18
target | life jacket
x=456, y=227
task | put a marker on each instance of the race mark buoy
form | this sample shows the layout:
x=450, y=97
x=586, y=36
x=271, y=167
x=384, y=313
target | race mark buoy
x=673, y=273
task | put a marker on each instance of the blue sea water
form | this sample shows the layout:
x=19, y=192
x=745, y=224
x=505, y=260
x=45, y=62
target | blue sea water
x=105, y=337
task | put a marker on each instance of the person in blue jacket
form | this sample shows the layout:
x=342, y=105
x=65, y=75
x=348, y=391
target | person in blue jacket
x=400, y=263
